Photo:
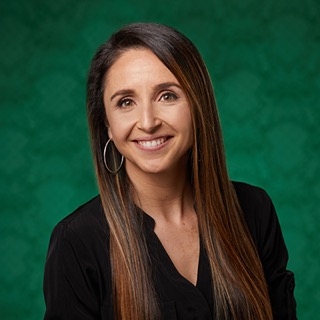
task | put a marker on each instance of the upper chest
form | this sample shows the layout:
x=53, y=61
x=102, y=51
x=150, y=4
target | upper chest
x=182, y=246
x=190, y=298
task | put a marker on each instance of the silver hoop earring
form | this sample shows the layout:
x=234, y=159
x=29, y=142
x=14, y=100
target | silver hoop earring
x=105, y=159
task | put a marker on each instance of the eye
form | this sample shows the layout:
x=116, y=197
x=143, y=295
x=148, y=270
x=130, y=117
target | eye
x=168, y=97
x=125, y=103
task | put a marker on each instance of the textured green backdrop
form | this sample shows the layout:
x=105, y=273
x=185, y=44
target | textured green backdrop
x=264, y=58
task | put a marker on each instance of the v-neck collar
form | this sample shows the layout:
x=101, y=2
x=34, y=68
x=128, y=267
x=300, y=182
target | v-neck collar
x=150, y=224
x=191, y=301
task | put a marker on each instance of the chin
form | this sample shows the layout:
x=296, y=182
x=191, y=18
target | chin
x=153, y=169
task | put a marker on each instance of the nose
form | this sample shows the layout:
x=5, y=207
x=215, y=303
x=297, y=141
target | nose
x=148, y=119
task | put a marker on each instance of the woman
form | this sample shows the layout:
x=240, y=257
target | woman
x=169, y=236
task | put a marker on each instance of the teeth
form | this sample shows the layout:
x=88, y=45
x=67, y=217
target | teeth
x=152, y=143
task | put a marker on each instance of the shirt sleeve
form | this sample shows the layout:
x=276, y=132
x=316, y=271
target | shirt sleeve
x=70, y=287
x=274, y=257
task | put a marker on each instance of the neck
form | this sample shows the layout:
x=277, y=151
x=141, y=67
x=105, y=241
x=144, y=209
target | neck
x=166, y=195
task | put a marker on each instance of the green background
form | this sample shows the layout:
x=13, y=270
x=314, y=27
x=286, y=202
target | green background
x=264, y=59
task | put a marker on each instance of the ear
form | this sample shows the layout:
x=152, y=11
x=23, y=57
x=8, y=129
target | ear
x=110, y=133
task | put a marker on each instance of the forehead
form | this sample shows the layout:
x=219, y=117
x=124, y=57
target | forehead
x=137, y=64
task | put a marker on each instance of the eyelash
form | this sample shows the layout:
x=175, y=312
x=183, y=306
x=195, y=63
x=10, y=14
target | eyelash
x=170, y=97
x=122, y=101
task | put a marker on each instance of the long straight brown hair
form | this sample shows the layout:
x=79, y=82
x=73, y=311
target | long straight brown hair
x=239, y=287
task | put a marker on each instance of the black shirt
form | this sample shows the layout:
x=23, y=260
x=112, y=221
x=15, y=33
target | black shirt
x=77, y=282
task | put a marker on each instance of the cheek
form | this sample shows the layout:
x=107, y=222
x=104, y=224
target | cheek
x=116, y=133
x=113, y=121
x=119, y=127
x=186, y=125
x=184, y=120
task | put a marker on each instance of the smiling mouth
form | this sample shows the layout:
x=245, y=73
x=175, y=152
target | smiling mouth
x=152, y=143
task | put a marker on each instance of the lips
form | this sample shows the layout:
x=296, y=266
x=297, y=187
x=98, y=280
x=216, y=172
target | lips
x=152, y=143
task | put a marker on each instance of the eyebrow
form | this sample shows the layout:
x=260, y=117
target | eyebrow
x=158, y=87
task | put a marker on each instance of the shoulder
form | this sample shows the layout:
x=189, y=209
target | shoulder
x=86, y=218
x=77, y=269
x=80, y=239
x=254, y=201
x=263, y=224
x=86, y=227
x=251, y=196
x=259, y=213
x=89, y=211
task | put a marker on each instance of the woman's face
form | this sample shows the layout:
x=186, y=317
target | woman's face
x=148, y=113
